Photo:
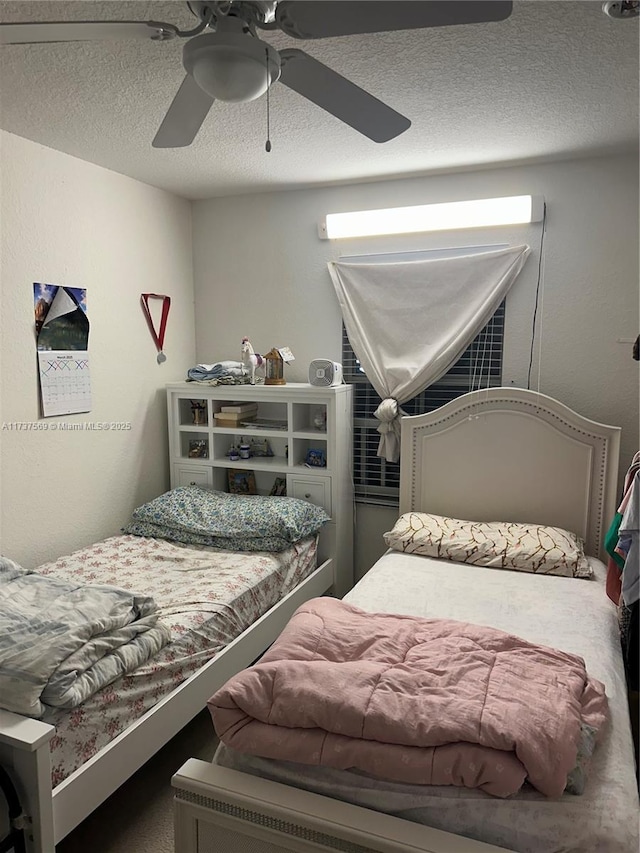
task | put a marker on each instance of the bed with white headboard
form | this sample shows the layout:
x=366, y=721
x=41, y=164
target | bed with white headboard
x=499, y=454
x=509, y=452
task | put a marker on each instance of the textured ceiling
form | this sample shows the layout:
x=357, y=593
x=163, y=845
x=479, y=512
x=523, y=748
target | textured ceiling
x=556, y=79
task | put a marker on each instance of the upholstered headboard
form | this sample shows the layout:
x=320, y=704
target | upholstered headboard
x=509, y=454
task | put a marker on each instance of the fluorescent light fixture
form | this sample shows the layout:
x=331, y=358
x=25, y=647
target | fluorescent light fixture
x=480, y=213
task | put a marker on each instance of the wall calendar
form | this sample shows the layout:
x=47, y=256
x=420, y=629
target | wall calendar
x=62, y=331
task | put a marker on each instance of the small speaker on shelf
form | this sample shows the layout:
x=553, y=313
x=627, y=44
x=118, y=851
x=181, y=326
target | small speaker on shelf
x=323, y=372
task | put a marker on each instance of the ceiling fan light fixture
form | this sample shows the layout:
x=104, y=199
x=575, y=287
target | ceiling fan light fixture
x=231, y=67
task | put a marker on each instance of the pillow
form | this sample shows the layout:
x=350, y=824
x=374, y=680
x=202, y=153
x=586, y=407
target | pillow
x=503, y=545
x=226, y=543
x=234, y=522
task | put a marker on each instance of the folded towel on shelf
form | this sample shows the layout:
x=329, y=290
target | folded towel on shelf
x=219, y=370
x=61, y=642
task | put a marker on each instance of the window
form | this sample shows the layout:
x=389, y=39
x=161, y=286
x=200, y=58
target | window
x=480, y=366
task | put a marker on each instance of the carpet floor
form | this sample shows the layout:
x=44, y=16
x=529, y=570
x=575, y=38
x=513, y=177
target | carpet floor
x=138, y=817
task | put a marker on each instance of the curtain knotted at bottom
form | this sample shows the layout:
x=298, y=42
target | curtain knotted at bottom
x=388, y=413
x=409, y=322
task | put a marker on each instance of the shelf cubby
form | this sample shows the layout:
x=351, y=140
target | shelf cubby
x=194, y=444
x=301, y=448
x=193, y=412
x=309, y=418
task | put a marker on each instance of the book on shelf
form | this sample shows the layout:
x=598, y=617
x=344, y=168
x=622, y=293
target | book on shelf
x=239, y=408
x=263, y=423
x=232, y=419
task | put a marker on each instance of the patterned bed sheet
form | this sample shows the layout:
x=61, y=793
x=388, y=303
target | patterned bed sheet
x=568, y=613
x=206, y=596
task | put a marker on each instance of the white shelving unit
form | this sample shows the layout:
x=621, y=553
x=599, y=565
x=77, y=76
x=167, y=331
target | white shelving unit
x=298, y=417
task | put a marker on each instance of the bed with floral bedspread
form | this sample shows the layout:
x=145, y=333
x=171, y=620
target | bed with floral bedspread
x=205, y=596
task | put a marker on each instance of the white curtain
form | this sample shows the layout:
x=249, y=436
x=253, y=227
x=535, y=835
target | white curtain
x=409, y=322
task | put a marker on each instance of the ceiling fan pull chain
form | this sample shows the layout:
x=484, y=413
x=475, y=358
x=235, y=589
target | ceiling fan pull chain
x=267, y=146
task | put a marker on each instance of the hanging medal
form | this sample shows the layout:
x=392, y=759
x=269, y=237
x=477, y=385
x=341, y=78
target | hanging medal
x=158, y=337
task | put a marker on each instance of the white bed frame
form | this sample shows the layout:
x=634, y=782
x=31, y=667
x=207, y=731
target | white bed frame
x=497, y=454
x=24, y=743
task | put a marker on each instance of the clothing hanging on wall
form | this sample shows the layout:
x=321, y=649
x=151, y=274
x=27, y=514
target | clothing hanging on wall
x=622, y=543
x=616, y=562
x=629, y=544
x=629, y=547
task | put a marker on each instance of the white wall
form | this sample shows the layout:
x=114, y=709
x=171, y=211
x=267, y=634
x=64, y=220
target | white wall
x=260, y=270
x=68, y=222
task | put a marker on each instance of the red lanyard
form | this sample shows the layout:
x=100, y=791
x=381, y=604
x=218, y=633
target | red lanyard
x=159, y=336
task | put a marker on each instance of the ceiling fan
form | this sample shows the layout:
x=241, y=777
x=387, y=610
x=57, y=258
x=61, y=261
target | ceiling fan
x=226, y=60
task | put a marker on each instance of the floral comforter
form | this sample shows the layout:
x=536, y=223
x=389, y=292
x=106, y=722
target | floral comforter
x=206, y=597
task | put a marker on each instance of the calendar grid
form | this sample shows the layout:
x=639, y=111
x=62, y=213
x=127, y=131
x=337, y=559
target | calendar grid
x=65, y=382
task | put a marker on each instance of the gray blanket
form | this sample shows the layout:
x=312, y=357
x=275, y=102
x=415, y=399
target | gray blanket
x=60, y=642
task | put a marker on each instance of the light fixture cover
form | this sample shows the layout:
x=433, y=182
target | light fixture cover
x=231, y=67
x=448, y=216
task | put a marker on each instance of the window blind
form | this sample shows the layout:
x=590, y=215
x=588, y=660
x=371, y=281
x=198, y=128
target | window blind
x=480, y=366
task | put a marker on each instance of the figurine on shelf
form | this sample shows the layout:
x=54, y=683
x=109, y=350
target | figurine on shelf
x=250, y=360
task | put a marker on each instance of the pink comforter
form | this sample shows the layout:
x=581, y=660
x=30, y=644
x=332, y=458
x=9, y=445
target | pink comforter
x=426, y=701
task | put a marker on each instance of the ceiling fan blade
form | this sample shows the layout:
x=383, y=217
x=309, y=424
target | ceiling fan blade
x=312, y=19
x=340, y=97
x=184, y=117
x=57, y=31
